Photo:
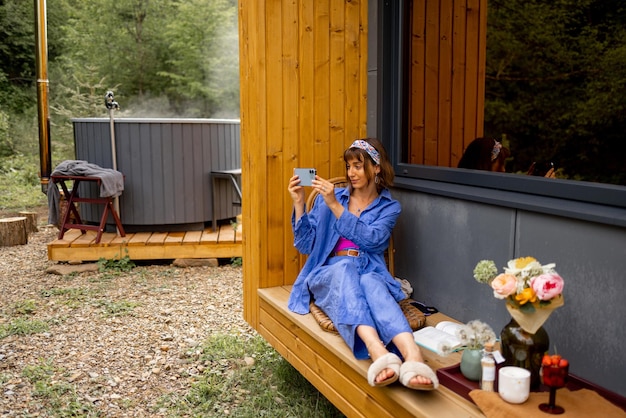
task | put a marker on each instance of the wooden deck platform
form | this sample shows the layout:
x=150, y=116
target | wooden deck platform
x=223, y=243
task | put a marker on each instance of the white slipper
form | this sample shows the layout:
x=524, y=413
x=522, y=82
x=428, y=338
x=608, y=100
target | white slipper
x=411, y=369
x=388, y=361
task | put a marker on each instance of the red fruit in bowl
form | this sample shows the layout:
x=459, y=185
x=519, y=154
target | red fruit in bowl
x=563, y=363
x=554, y=375
x=555, y=359
x=546, y=360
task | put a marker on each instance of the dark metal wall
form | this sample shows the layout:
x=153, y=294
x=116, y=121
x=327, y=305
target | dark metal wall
x=167, y=165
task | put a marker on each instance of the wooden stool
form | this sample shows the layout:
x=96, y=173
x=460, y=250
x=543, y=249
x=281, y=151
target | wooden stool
x=72, y=198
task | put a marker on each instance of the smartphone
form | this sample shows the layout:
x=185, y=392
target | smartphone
x=307, y=175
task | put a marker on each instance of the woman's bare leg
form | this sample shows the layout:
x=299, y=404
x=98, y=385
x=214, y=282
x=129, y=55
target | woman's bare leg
x=410, y=352
x=376, y=349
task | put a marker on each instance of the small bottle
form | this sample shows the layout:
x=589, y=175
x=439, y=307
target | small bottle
x=487, y=381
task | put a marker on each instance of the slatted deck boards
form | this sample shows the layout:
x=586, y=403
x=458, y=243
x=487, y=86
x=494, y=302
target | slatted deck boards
x=74, y=246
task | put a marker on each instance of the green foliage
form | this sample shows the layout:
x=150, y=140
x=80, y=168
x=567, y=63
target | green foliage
x=72, y=292
x=73, y=297
x=25, y=307
x=6, y=147
x=245, y=377
x=124, y=264
x=205, y=79
x=556, y=79
x=161, y=59
x=21, y=188
x=556, y=84
x=117, y=308
x=148, y=50
x=61, y=397
x=22, y=326
x=17, y=31
x=39, y=372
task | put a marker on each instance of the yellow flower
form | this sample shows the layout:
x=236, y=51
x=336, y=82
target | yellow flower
x=526, y=295
x=522, y=262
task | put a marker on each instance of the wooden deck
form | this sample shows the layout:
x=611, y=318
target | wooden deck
x=74, y=246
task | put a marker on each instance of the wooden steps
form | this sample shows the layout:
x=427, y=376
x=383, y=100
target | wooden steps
x=75, y=246
x=325, y=361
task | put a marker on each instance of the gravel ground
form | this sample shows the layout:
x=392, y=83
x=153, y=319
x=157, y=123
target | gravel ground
x=122, y=340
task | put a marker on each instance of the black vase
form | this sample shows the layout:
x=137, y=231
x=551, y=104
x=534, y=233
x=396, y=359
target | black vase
x=523, y=349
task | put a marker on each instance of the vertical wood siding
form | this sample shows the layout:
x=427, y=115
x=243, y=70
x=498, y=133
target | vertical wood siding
x=447, y=71
x=303, y=101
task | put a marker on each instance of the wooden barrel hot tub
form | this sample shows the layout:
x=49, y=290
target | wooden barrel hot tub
x=167, y=165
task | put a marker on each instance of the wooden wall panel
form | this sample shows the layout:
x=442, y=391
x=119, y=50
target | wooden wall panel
x=431, y=91
x=253, y=111
x=471, y=71
x=457, y=108
x=447, y=55
x=446, y=12
x=417, y=118
x=303, y=101
x=321, y=49
x=337, y=84
x=306, y=144
x=481, y=63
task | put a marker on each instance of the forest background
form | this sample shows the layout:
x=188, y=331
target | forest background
x=555, y=78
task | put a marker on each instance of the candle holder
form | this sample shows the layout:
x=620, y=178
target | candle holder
x=553, y=376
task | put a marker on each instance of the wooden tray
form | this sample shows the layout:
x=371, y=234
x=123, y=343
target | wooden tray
x=452, y=378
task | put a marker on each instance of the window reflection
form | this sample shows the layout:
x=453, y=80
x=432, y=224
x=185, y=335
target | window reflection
x=554, y=92
x=485, y=154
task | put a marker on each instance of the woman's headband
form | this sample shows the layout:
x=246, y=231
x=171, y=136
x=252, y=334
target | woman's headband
x=365, y=146
x=495, y=151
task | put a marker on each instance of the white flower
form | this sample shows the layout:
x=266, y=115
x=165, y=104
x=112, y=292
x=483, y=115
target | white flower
x=475, y=334
x=525, y=271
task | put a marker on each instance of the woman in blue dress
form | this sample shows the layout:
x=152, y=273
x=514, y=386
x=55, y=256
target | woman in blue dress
x=345, y=236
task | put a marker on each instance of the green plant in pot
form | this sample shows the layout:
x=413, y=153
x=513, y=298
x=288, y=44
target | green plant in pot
x=473, y=336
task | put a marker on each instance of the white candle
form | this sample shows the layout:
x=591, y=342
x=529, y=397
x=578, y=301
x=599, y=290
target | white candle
x=514, y=384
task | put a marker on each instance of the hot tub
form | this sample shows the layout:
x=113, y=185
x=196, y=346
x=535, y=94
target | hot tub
x=167, y=165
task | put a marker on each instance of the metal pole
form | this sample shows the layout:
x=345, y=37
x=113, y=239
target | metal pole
x=41, y=61
x=112, y=105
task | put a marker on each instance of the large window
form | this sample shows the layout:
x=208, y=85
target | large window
x=426, y=119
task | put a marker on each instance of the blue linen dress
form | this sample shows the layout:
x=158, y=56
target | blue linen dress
x=352, y=291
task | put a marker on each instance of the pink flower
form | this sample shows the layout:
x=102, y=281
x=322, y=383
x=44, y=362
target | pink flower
x=504, y=285
x=547, y=286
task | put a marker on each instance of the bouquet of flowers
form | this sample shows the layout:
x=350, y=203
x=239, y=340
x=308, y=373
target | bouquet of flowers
x=531, y=290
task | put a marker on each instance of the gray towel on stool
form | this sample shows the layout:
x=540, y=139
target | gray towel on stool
x=111, y=184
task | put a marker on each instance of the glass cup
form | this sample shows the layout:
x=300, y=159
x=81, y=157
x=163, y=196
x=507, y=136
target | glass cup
x=553, y=377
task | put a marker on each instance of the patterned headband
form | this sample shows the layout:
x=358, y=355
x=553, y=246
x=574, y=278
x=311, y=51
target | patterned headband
x=495, y=151
x=365, y=146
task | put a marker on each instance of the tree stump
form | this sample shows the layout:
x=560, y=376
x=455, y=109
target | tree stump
x=13, y=231
x=31, y=221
